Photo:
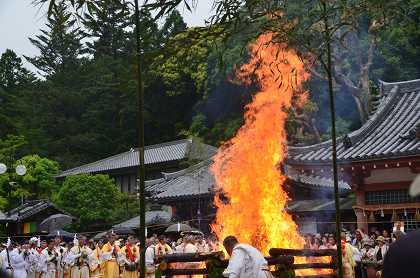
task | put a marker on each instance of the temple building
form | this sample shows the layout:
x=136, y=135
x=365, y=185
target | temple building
x=160, y=158
x=378, y=161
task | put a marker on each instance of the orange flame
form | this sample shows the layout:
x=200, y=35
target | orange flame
x=247, y=167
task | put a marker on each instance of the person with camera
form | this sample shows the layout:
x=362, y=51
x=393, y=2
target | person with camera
x=130, y=257
x=80, y=253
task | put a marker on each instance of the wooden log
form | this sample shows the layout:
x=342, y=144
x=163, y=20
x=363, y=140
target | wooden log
x=286, y=261
x=171, y=272
x=302, y=252
x=191, y=257
x=281, y=260
x=333, y=275
x=313, y=265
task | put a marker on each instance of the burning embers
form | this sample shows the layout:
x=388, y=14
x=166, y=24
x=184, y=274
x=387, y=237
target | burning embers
x=246, y=168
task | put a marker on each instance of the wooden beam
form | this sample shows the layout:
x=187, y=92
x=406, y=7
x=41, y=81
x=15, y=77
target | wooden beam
x=302, y=252
x=333, y=275
x=314, y=265
x=191, y=257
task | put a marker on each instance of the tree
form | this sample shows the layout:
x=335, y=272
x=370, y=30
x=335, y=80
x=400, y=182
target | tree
x=106, y=21
x=91, y=198
x=15, y=81
x=39, y=180
x=174, y=24
x=12, y=72
x=10, y=146
x=59, y=45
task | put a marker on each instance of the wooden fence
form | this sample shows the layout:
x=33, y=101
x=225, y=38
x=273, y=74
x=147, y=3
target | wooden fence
x=282, y=259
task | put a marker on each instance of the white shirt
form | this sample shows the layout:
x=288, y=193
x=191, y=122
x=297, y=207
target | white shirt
x=150, y=255
x=246, y=262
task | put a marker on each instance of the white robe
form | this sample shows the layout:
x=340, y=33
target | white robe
x=18, y=264
x=60, y=251
x=246, y=262
x=5, y=262
x=47, y=264
x=31, y=262
x=79, y=253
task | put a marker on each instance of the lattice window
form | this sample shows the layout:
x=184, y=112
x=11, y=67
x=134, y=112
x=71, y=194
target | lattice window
x=389, y=197
x=410, y=223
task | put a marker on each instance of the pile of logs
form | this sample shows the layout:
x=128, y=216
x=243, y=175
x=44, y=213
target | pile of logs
x=282, y=259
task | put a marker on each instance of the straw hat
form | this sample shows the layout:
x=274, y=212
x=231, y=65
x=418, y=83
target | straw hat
x=415, y=187
x=380, y=239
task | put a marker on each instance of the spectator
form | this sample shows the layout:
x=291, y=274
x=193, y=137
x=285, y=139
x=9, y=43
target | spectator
x=386, y=236
x=358, y=240
x=331, y=243
x=324, y=242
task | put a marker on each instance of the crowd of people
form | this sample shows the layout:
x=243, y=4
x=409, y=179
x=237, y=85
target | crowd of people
x=116, y=257
x=363, y=254
x=112, y=257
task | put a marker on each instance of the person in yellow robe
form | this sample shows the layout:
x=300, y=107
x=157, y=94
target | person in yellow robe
x=96, y=265
x=130, y=258
x=162, y=248
x=110, y=254
x=348, y=258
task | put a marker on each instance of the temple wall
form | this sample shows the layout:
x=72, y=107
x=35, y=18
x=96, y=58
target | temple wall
x=390, y=175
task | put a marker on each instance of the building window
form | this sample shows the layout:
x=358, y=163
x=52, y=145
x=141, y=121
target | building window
x=389, y=197
x=410, y=223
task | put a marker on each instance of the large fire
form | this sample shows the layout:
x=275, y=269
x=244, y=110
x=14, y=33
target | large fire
x=247, y=167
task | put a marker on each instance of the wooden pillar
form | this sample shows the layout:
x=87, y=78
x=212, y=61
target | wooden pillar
x=361, y=218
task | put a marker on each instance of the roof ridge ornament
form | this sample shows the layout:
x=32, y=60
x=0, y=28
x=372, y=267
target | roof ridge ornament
x=347, y=141
x=412, y=133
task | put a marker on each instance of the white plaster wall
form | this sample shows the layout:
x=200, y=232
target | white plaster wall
x=390, y=175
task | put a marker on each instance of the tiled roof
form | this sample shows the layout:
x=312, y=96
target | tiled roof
x=319, y=205
x=152, y=217
x=28, y=209
x=390, y=132
x=190, y=182
x=165, y=152
x=318, y=181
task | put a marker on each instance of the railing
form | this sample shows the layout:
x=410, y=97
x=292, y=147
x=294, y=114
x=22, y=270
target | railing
x=282, y=261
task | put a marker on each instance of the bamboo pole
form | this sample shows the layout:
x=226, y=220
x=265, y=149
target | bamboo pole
x=329, y=71
x=141, y=170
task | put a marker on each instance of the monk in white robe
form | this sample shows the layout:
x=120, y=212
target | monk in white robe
x=18, y=264
x=150, y=258
x=59, y=250
x=96, y=265
x=245, y=261
x=80, y=254
x=6, y=266
x=48, y=262
x=32, y=258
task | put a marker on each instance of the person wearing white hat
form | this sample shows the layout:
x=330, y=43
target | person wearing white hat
x=403, y=256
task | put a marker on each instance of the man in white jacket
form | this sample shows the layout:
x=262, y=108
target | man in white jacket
x=245, y=261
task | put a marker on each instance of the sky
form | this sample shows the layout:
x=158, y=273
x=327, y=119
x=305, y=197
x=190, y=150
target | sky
x=19, y=19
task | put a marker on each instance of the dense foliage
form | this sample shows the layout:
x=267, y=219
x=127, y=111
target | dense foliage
x=93, y=199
